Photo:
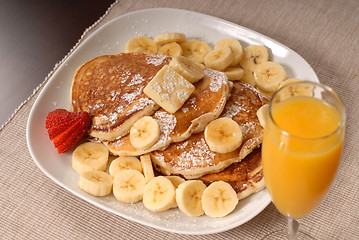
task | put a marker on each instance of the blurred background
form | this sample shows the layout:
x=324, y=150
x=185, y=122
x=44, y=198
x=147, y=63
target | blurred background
x=34, y=36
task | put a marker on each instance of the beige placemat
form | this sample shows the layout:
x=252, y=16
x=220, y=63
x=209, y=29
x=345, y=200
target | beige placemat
x=324, y=32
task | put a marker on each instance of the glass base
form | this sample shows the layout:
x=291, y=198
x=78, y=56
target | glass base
x=283, y=234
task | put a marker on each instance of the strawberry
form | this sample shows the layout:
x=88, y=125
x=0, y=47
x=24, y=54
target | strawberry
x=65, y=128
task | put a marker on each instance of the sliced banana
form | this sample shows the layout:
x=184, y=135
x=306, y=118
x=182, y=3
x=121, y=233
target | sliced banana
x=164, y=38
x=219, y=59
x=219, y=199
x=235, y=46
x=295, y=90
x=263, y=114
x=128, y=186
x=147, y=167
x=169, y=89
x=90, y=156
x=223, y=135
x=96, y=183
x=124, y=163
x=144, y=133
x=171, y=49
x=254, y=55
x=190, y=70
x=159, y=194
x=195, y=50
x=141, y=44
x=248, y=77
x=234, y=73
x=269, y=75
x=176, y=181
x=189, y=197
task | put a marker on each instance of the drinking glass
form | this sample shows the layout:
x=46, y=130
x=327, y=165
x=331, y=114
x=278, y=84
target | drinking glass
x=301, y=150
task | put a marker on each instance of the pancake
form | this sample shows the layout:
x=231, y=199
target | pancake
x=193, y=158
x=110, y=89
x=205, y=104
x=246, y=177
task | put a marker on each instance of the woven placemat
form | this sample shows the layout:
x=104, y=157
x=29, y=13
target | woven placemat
x=324, y=32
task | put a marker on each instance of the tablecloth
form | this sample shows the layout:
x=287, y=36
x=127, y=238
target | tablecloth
x=324, y=32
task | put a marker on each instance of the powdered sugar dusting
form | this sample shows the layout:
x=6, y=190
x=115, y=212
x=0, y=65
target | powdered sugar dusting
x=167, y=123
x=155, y=59
x=218, y=79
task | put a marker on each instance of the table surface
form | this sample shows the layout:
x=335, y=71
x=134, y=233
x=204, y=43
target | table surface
x=36, y=35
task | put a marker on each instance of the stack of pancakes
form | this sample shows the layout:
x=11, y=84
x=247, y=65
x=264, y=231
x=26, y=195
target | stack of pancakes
x=110, y=89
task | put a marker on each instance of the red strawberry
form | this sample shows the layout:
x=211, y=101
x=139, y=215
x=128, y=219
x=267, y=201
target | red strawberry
x=67, y=128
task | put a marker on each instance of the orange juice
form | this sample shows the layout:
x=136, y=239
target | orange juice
x=299, y=165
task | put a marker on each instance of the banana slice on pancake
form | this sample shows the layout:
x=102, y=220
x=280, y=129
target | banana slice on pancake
x=223, y=135
x=144, y=133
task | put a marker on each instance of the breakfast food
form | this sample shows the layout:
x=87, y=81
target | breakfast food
x=159, y=194
x=189, y=197
x=128, y=186
x=90, y=156
x=65, y=128
x=223, y=135
x=110, y=89
x=219, y=199
x=193, y=158
x=96, y=183
x=192, y=114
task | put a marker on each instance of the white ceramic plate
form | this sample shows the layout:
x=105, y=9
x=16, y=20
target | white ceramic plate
x=111, y=39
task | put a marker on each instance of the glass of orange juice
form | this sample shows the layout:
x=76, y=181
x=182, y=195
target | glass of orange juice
x=301, y=150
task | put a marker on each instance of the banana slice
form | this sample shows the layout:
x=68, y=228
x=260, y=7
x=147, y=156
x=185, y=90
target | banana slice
x=147, y=167
x=235, y=46
x=128, y=186
x=219, y=199
x=219, y=59
x=176, y=181
x=171, y=49
x=195, y=50
x=96, y=183
x=254, y=55
x=159, y=194
x=189, y=196
x=169, y=89
x=190, y=70
x=141, y=44
x=269, y=75
x=223, y=135
x=144, y=133
x=124, y=163
x=234, y=73
x=248, y=77
x=295, y=90
x=164, y=38
x=90, y=156
x=263, y=114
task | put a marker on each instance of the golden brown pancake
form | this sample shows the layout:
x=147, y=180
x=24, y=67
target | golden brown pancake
x=205, y=104
x=110, y=89
x=193, y=158
x=246, y=177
